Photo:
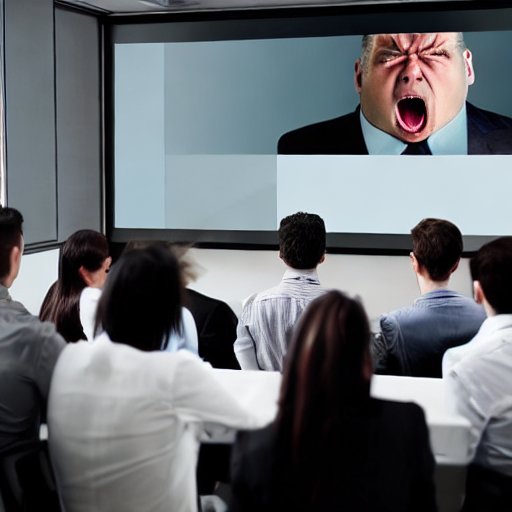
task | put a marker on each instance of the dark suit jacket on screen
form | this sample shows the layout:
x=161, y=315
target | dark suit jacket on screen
x=216, y=329
x=392, y=469
x=488, y=133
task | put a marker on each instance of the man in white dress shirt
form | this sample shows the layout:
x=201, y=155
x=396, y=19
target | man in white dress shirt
x=479, y=377
x=268, y=317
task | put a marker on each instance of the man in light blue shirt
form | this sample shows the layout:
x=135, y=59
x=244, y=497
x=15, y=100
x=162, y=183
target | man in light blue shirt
x=414, y=339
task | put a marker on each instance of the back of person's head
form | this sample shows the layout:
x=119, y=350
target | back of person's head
x=188, y=268
x=492, y=268
x=437, y=246
x=324, y=392
x=327, y=368
x=81, y=256
x=11, y=233
x=302, y=240
x=141, y=300
x=85, y=249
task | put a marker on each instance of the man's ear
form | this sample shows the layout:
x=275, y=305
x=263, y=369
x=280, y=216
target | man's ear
x=86, y=275
x=15, y=261
x=322, y=259
x=478, y=292
x=468, y=63
x=414, y=262
x=358, y=75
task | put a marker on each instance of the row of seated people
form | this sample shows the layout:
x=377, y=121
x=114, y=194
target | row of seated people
x=124, y=423
x=411, y=341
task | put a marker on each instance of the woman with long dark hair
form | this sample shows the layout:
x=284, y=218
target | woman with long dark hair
x=83, y=263
x=124, y=417
x=332, y=446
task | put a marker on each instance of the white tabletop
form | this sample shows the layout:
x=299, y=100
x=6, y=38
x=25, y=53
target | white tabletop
x=449, y=432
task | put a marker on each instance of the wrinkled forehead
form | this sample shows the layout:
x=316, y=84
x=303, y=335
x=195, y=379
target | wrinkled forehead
x=413, y=41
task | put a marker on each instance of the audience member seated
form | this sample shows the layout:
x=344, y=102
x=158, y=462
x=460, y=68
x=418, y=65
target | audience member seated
x=215, y=320
x=414, y=339
x=186, y=336
x=216, y=329
x=268, y=317
x=70, y=302
x=479, y=377
x=28, y=348
x=332, y=446
x=124, y=417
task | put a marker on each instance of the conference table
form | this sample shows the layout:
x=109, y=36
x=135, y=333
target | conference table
x=449, y=431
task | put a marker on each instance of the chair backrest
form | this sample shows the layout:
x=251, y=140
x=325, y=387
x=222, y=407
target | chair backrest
x=27, y=481
x=487, y=491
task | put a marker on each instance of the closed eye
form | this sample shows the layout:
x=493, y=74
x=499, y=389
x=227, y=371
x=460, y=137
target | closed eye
x=389, y=56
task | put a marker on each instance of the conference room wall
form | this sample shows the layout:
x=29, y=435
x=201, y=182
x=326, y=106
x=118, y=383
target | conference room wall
x=53, y=122
x=383, y=282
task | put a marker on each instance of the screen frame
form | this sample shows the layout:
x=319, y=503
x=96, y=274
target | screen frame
x=313, y=21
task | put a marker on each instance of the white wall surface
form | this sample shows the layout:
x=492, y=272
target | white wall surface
x=383, y=282
x=38, y=271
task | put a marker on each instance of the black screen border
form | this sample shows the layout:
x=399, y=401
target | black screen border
x=314, y=21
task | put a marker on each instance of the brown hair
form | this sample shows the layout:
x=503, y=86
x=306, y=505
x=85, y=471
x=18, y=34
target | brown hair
x=492, y=267
x=437, y=245
x=324, y=387
x=84, y=248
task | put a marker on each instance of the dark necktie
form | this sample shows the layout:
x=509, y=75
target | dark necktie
x=417, y=148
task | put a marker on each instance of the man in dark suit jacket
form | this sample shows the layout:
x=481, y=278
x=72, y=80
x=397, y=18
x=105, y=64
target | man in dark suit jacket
x=216, y=329
x=412, y=87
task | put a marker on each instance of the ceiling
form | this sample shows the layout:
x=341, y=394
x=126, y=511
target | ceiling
x=126, y=7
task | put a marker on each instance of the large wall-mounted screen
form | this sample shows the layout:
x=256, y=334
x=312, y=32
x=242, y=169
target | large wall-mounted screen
x=221, y=127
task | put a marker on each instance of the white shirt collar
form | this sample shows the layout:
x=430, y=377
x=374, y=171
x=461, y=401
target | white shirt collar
x=451, y=139
x=296, y=273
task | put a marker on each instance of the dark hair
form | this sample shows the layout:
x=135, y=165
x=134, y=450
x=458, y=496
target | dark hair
x=302, y=240
x=85, y=248
x=11, y=231
x=188, y=270
x=324, y=387
x=141, y=300
x=492, y=267
x=437, y=245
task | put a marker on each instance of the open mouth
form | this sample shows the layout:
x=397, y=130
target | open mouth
x=411, y=114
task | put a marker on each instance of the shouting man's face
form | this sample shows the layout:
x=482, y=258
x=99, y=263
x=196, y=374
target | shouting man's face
x=411, y=85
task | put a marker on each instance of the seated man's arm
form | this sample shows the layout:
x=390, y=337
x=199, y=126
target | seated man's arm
x=245, y=346
x=245, y=349
x=378, y=351
x=387, y=347
x=460, y=399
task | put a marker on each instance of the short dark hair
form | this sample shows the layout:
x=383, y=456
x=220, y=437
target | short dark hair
x=302, y=240
x=84, y=248
x=437, y=245
x=11, y=231
x=492, y=268
x=142, y=298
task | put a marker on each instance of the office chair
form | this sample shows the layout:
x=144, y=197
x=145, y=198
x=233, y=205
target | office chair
x=27, y=481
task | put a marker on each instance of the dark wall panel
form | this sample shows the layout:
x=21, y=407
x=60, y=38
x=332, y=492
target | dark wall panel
x=77, y=40
x=30, y=116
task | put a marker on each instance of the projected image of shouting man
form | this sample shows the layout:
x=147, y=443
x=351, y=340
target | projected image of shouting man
x=413, y=90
